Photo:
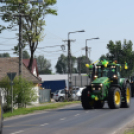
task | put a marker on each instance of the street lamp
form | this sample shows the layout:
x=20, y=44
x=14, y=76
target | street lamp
x=69, y=57
x=86, y=49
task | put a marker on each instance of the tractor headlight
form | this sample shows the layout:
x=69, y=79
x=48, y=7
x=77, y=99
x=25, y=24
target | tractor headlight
x=99, y=88
x=115, y=76
x=92, y=85
x=101, y=85
x=93, y=88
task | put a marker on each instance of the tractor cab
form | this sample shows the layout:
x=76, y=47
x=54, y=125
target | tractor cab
x=112, y=71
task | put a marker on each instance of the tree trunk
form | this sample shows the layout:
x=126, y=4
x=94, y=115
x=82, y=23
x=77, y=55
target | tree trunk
x=31, y=61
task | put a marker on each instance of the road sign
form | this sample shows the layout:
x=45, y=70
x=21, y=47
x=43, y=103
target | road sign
x=11, y=75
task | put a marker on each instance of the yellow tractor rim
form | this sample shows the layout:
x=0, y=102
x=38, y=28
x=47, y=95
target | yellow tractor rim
x=128, y=95
x=117, y=98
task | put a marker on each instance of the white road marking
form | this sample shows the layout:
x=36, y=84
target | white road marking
x=18, y=132
x=77, y=114
x=44, y=124
x=62, y=119
x=87, y=112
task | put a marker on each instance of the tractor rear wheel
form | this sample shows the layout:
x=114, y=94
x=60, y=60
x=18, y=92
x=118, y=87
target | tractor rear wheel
x=114, y=98
x=87, y=103
x=99, y=104
x=127, y=96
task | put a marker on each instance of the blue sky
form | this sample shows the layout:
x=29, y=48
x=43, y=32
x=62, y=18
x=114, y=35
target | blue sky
x=108, y=20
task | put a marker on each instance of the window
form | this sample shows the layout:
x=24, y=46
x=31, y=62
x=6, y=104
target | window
x=63, y=92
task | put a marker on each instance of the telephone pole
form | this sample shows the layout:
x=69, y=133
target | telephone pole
x=86, y=50
x=69, y=59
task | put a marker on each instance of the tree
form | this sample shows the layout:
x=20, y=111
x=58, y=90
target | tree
x=24, y=52
x=23, y=92
x=81, y=61
x=3, y=55
x=122, y=53
x=26, y=55
x=43, y=65
x=33, y=24
x=62, y=64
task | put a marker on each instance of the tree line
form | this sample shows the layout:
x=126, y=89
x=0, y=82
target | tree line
x=121, y=52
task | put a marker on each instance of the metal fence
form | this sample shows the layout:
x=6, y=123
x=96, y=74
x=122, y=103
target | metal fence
x=44, y=95
x=80, y=81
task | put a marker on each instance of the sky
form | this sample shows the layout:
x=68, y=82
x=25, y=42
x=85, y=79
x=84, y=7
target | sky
x=108, y=20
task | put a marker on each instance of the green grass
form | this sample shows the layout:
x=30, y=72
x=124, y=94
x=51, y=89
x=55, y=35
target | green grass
x=23, y=111
x=131, y=131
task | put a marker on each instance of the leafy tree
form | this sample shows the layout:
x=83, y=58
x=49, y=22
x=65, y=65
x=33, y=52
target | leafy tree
x=43, y=65
x=26, y=55
x=122, y=53
x=4, y=55
x=62, y=64
x=23, y=92
x=81, y=61
x=24, y=52
x=33, y=24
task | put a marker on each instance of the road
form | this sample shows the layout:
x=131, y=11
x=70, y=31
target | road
x=71, y=120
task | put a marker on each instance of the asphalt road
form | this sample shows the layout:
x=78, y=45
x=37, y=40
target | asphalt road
x=71, y=120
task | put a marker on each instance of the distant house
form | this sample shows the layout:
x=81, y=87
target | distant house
x=12, y=65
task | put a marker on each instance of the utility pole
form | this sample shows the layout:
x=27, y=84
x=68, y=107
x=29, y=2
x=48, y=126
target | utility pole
x=86, y=51
x=20, y=45
x=69, y=58
x=69, y=61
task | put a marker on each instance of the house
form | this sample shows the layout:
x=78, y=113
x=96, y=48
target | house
x=34, y=69
x=12, y=65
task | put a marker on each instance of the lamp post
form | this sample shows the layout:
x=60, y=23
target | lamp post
x=86, y=49
x=69, y=57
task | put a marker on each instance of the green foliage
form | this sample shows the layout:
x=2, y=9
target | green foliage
x=77, y=64
x=43, y=65
x=23, y=92
x=4, y=55
x=33, y=25
x=81, y=61
x=123, y=53
x=62, y=64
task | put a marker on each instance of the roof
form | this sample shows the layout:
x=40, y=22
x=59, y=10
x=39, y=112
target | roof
x=56, y=77
x=53, y=77
x=12, y=65
x=34, y=65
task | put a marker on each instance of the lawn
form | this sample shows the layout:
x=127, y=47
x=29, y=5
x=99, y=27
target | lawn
x=23, y=111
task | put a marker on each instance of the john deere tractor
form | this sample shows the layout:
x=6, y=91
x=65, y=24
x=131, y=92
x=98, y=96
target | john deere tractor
x=106, y=85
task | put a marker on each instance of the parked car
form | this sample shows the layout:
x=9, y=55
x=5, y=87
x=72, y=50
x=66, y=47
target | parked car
x=79, y=92
x=59, y=95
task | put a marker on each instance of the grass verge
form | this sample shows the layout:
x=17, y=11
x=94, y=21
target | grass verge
x=23, y=111
x=131, y=131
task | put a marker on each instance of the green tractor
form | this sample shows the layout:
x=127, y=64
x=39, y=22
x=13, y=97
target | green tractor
x=106, y=85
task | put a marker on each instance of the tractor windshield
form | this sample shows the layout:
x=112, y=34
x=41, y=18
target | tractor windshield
x=106, y=72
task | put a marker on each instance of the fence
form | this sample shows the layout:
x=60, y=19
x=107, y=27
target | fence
x=44, y=95
x=80, y=81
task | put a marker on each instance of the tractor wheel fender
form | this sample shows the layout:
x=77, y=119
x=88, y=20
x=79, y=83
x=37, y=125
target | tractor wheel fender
x=125, y=83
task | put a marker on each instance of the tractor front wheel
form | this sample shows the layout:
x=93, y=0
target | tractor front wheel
x=114, y=98
x=87, y=103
